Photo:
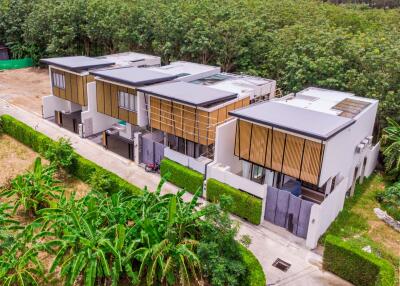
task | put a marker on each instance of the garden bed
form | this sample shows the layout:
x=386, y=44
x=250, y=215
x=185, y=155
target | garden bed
x=358, y=225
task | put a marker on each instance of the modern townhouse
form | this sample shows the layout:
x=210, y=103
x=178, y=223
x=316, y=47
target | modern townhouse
x=300, y=154
x=69, y=103
x=184, y=115
x=118, y=99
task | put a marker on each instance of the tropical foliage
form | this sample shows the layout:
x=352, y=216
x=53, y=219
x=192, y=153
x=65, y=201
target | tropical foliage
x=390, y=200
x=109, y=238
x=391, y=148
x=297, y=42
x=33, y=190
x=61, y=154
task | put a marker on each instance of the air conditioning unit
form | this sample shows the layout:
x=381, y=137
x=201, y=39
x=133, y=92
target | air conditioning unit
x=370, y=138
x=360, y=148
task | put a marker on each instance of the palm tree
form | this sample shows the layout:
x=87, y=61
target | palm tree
x=391, y=148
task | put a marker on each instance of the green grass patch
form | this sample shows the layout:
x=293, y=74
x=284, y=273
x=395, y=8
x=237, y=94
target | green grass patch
x=358, y=225
x=355, y=265
x=244, y=205
x=182, y=176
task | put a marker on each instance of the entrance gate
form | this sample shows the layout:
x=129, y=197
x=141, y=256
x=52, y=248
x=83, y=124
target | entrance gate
x=69, y=121
x=288, y=211
x=152, y=152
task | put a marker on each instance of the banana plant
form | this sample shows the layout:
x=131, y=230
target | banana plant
x=34, y=190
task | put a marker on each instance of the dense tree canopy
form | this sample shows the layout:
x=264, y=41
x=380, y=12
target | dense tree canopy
x=299, y=43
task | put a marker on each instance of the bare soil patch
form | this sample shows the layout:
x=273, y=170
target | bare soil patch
x=25, y=87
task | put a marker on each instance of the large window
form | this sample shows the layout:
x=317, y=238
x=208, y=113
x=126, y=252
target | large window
x=127, y=101
x=58, y=80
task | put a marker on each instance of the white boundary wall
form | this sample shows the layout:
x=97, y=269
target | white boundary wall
x=93, y=121
x=324, y=214
x=52, y=103
x=198, y=165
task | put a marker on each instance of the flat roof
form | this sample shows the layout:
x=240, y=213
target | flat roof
x=128, y=58
x=182, y=68
x=133, y=76
x=311, y=123
x=77, y=63
x=189, y=93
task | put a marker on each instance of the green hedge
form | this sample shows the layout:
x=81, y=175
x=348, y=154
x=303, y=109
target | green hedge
x=82, y=168
x=256, y=276
x=244, y=205
x=182, y=176
x=355, y=265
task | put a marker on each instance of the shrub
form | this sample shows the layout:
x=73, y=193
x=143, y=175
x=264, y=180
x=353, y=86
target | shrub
x=355, y=265
x=61, y=154
x=80, y=167
x=182, y=176
x=255, y=276
x=244, y=204
x=102, y=181
x=390, y=200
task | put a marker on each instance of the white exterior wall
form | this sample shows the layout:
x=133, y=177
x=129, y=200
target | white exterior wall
x=198, y=164
x=93, y=121
x=340, y=151
x=51, y=103
x=324, y=214
x=373, y=153
x=225, y=146
x=142, y=115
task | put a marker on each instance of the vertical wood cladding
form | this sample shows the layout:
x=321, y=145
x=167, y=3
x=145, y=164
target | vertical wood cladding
x=107, y=101
x=189, y=122
x=75, y=87
x=279, y=151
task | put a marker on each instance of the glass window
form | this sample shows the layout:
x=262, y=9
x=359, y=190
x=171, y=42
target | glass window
x=58, y=80
x=127, y=101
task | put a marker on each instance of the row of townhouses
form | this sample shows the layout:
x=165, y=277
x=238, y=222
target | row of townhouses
x=301, y=154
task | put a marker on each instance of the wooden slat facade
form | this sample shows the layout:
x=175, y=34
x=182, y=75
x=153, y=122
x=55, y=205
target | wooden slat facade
x=107, y=101
x=189, y=122
x=75, y=86
x=278, y=151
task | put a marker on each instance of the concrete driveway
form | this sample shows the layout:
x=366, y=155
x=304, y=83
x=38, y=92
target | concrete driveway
x=269, y=242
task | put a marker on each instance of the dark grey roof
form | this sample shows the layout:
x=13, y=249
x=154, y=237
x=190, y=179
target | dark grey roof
x=189, y=93
x=315, y=124
x=133, y=76
x=77, y=63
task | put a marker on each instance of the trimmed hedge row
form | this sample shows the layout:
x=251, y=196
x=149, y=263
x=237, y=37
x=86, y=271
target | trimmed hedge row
x=40, y=143
x=182, y=176
x=256, y=276
x=245, y=205
x=356, y=266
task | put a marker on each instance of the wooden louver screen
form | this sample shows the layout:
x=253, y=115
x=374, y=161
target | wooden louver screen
x=75, y=87
x=279, y=151
x=189, y=122
x=107, y=101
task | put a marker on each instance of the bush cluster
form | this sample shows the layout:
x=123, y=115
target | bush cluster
x=243, y=204
x=182, y=176
x=64, y=155
x=355, y=265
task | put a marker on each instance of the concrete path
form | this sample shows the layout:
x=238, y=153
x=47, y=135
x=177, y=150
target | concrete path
x=269, y=242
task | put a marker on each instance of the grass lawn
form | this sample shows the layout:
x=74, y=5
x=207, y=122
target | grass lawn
x=359, y=225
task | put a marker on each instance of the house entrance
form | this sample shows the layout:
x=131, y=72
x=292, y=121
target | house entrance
x=151, y=151
x=69, y=121
x=287, y=210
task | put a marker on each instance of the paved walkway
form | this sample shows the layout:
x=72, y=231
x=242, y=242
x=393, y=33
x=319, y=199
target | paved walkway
x=269, y=242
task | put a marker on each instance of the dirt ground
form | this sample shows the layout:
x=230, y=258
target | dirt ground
x=25, y=87
x=16, y=158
